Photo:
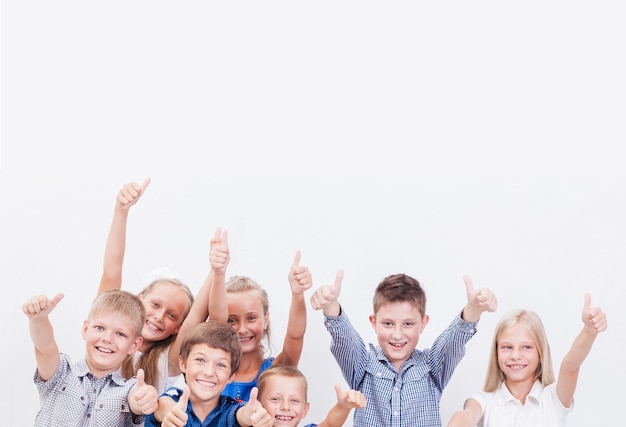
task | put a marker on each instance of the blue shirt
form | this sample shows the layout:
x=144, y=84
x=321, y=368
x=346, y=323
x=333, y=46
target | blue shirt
x=240, y=391
x=224, y=414
x=398, y=399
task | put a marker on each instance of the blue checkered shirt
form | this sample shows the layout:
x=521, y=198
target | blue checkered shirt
x=398, y=399
x=73, y=396
x=224, y=415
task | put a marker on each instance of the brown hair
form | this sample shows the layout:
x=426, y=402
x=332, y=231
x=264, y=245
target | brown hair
x=281, y=370
x=215, y=334
x=532, y=323
x=148, y=361
x=245, y=284
x=400, y=288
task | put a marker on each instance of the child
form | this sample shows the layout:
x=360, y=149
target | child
x=402, y=385
x=519, y=389
x=209, y=357
x=283, y=393
x=91, y=391
x=170, y=305
x=248, y=314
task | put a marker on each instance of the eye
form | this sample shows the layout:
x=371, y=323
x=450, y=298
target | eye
x=199, y=360
x=252, y=318
x=387, y=324
x=172, y=316
x=274, y=399
x=121, y=335
x=98, y=328
x=231, y=321
x=222, y=365
x=295, y=401
x=409, y=324
x=155, y=304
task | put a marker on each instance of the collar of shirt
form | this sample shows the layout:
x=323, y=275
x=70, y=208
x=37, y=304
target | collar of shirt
x=504, y=396
x=81, y=369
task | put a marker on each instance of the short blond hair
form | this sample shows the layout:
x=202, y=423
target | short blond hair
x=121, y=303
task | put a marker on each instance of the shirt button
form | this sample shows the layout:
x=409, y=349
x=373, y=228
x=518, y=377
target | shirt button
x=395, y=413
x=378, y=374
x=396, y=389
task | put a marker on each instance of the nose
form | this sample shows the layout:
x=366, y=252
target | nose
x=284, y=404
x=397, y=332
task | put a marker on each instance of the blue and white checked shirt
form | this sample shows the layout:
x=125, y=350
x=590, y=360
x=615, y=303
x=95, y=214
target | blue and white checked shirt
x=75, y=397
x=410, y=397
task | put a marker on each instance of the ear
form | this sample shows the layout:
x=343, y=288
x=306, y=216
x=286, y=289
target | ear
x=306, y=409
x=267, y=321
x=136, y=345
x=425, y=320
x=85, y=326
x=181, y=364
x=373, y=321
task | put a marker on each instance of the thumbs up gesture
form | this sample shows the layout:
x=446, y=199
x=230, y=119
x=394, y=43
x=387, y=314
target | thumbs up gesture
x=325, y=297
x=593, y=317
x=144, y=398
x=219, y=255
x=478, y=301
x=130, y=193
x=40, y=305
x=253, y=413
x=177, y=415
x=299, y=276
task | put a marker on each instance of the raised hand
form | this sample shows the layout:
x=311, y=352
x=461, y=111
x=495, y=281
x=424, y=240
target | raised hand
x=130, y=193
x=145, y=399
x=350, y=398
x=254, y=413
x=593, y=317
x=478, y=301
x=299, y=276
x=40, y=305
x=219, y=255
x=177, y=416
x=325, y=297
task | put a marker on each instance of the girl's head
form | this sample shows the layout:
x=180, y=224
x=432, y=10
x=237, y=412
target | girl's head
x=283, y=393
x=520, y=351
x=248, y=313
x=167, y=303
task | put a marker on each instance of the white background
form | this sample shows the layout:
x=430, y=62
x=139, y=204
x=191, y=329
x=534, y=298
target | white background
x=436, y=140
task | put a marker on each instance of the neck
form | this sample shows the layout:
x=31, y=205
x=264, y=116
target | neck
x=520, y=389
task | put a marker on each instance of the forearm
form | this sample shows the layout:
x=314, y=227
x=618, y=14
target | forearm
x=579, y=350
x=336, y=417
x=218, y=302
x=114, y=252
x=46, y=348
x=296, y=328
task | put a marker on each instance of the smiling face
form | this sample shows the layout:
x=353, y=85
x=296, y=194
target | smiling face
x=398, y=326
x=109, y=338
x=284, y=398
x=246, y=316
x=518, y=357
x=207, y=371
x=166, y=305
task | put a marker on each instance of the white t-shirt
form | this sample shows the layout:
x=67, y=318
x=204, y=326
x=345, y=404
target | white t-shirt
x=164, y=381
x=542, y=408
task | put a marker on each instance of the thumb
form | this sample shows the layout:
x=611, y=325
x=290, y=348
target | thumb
x=145, y=184
x=182, y=402
x=217, y=236
x=253, y=397
x=337, y=284
x=469, y=286
x=56, y=299
x=338, y=391
x=587, y=302
x=141, y=381
x=225, y=237
x=296, y=260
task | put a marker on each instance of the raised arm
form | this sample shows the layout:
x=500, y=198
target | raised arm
x=478, y=301
x=199, y=311
x=42, y=334
x=300, y=280
x=116, y=240
x=219, y=256
x=594, y=321
x=346, y=401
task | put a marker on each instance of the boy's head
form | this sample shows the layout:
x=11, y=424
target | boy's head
x=283, y=394
x=399, y=316
x=209, y=358
x=113, y=330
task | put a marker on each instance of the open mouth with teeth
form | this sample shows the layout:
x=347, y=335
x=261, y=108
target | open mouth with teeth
x=153, y=327
x=516, y=367
x=104, y=350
